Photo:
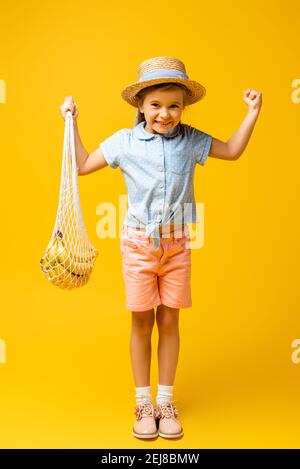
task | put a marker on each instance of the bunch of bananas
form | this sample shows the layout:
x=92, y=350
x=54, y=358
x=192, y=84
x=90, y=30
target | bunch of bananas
x=63, y=268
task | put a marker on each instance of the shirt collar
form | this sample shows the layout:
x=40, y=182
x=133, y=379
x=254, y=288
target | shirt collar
x=142, y=134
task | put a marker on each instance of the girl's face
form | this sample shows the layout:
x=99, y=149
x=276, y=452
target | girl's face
x=162, y=109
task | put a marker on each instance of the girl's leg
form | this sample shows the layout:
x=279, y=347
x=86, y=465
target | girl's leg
x=168, y=346
x=168, y=351
x=140, y=348
x=140, y=345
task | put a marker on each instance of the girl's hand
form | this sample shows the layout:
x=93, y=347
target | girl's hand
x=253, y=99
x=69, y=105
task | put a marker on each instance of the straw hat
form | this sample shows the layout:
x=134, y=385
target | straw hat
x=162, y=70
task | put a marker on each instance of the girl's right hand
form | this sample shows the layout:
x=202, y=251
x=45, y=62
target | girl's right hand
x=69, y=105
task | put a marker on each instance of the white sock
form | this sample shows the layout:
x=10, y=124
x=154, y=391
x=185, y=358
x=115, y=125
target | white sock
x=143, y=394
x=164, y=394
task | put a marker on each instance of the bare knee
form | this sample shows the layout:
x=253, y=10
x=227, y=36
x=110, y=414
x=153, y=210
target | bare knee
x=143, y=321
x=167, y=319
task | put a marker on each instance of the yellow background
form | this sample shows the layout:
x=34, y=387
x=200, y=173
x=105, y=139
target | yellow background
x=67, y=381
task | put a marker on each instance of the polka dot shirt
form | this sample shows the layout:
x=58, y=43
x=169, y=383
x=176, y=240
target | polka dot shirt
x=158, y=172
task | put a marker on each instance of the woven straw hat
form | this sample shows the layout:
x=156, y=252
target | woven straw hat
x=162, y=70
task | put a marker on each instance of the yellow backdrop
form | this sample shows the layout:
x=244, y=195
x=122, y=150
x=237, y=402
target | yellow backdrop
x=65, y=373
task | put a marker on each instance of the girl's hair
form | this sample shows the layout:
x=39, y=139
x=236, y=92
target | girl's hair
x=142, y=94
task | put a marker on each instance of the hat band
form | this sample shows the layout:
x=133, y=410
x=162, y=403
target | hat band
x=169, y=73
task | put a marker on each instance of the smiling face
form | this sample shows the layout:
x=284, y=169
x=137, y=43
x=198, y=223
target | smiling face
x=162, y=109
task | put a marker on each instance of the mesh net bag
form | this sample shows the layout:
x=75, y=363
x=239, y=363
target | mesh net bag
x=69, y=258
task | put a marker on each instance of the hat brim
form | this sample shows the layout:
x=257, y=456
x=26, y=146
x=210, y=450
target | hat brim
x=195, y=90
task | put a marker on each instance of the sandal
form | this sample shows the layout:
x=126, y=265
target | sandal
x=169, y=425
x=145, y=424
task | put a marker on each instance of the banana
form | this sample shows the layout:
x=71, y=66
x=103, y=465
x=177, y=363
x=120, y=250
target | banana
x=88, y=258
x=58, y=275
x=70, y=282
x=44, y=265
x=70, y=263
x=50, y=254
x=81, y=280
x=60, y=271
x=76, y=268
x=58, y=263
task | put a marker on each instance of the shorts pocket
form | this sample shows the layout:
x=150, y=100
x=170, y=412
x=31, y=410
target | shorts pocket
x=133, y=243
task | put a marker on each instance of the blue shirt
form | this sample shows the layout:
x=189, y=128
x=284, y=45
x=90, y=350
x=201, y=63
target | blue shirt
x=159, y=173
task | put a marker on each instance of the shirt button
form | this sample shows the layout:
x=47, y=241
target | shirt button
x=161, y=184
x=160, y=168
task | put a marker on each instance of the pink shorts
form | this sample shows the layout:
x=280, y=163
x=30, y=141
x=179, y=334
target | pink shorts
x=153, y=277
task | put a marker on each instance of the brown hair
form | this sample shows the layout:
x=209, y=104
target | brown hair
x=142, y=94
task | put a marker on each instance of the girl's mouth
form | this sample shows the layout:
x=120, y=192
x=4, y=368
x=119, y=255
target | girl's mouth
x=162, y=124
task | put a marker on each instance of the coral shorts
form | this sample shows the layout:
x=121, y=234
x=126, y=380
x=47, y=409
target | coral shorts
x=153, y=277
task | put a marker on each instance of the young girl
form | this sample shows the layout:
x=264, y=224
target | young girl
x=157, y=158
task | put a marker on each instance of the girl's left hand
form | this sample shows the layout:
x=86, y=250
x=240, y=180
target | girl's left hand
x=253, y=99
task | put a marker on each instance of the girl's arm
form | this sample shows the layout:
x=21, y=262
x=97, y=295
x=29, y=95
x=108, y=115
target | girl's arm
x=87, y=163
x=234, y=147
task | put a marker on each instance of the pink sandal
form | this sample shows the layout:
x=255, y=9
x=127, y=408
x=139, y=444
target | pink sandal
x=169, y=425
x=145, y=424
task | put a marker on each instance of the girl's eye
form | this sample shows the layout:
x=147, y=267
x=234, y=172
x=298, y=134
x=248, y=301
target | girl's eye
x=173, y=105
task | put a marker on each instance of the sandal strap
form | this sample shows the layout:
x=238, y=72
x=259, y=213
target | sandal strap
x=166, y=410
x=145, y=409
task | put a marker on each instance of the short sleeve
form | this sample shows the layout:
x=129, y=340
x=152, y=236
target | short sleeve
x=111, y=149
x=201, y=145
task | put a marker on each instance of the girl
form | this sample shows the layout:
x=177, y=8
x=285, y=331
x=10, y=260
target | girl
x=157, y=158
